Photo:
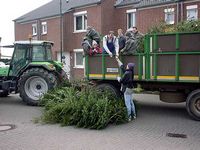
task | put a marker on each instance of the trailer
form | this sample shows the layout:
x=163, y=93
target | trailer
x=169, y=64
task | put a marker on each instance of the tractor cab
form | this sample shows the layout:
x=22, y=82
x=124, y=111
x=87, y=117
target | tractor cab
x=26, y=52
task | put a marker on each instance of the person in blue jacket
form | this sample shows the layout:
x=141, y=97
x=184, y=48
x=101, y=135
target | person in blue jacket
x=127, y=87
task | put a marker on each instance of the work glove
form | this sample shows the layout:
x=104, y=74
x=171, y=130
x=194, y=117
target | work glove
x=118, y=79
x=110, y=54
x=118, y=61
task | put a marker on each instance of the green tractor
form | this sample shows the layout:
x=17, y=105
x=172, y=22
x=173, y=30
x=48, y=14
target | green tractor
x=31, y=72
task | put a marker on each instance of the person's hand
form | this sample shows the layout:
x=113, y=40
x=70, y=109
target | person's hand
x=122, y=50
x=118, y=79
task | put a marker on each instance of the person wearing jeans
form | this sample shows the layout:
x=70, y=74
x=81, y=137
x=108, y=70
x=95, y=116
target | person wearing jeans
x=127, y=87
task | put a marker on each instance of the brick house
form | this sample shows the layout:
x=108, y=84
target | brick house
x=44, y=23
x=146, y=13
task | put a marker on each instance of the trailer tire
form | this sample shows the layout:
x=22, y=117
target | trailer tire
x=193, y=104
x=108, y=87
x=4, y=93
x=35, y=82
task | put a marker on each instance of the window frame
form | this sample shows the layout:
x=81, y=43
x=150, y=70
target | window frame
x=133, y=13
x=169, y=11
x=75, y=63
x=34, y=29
x=44, y=24
x=189, y=8
x=84, y=22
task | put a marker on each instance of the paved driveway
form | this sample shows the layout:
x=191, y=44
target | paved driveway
x=148, y=132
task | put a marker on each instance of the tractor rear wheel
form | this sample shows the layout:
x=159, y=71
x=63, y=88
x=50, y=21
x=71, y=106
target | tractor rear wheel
x=108, y=88
x=34, y=83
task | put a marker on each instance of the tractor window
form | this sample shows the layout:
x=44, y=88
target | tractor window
x=20, y=53
x=49, y=55
x=38, y=53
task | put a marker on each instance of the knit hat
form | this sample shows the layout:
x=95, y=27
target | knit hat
x=131, y=66
x=128, y=34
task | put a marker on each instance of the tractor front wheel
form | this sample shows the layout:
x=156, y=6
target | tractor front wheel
x=34, y=83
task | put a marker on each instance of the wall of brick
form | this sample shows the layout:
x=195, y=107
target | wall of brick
x=108, y=16
x=147, y=18
x=22, y=31
x=73, y=40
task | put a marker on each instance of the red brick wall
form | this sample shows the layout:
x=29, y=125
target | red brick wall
x=146, y=18
x=73, y=40
x=53, y=33
x=23, y=30
x=120, y=21
x=108, y=16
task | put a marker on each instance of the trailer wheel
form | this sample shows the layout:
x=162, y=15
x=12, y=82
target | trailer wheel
x=34, y=83
x=4, y=93
x=193, y=104
x=106, y=87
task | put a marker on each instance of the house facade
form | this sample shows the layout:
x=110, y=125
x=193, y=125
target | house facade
x=46, y=23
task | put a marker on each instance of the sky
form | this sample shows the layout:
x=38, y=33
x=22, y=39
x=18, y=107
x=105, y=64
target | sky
x=10, y=10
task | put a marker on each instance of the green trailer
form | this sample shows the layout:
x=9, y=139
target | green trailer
x=169, y=64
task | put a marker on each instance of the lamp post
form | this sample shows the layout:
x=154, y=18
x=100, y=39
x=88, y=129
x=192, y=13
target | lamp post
x=61, y=29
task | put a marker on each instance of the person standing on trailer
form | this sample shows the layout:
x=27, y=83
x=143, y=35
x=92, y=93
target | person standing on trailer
x=110, y=44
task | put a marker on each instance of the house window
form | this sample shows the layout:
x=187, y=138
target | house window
x=44, y=27
x=130, y=18
x=80, y=21
x=34, y=29
x=192, y=12
x=78, y=58
x=169, y=15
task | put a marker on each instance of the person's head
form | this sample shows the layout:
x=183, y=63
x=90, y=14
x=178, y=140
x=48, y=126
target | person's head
x=134, y=29
x=94, y=44
x=130, y=66
x=89, y=28
x=111, y=34
x=120, y=32
x=128, y=34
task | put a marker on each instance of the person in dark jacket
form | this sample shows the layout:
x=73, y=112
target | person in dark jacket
x=121, y=39
x=127, y=87
x=92, y=34
x=130, y=47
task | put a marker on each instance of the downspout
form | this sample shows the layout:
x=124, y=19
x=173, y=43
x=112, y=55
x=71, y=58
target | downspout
x=39, y=29
x=177, y=12
x=181, y=11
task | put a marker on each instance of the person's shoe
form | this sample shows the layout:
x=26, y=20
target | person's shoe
x=134, y=117
x=129, y=119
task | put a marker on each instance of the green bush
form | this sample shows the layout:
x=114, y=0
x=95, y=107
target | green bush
x=185, y=26
x=82, y=107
